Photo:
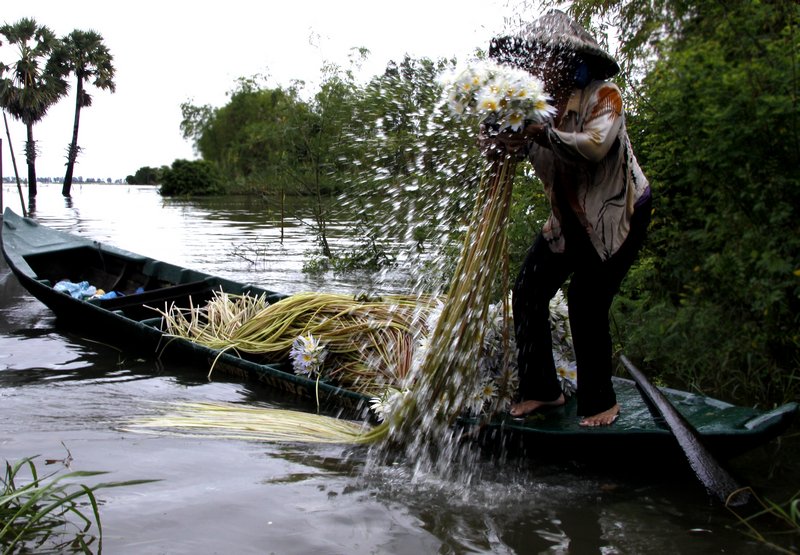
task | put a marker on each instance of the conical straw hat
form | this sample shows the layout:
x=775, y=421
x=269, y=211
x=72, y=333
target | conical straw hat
x=554, y=31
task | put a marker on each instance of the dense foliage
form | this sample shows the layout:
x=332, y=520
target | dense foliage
x=146, y=175
x=385, y=148
x=716, y=303
x=191, y=177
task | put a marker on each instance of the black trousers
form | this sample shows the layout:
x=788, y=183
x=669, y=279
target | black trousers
x=592, y=287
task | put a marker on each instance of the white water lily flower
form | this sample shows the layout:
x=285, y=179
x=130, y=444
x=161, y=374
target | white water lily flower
x=541, y=110
x=474, y=403
x=379, y=406
x=567, y=376
x=505, y=93
x=488, y=390
x=488, y=101
x=307, y=354
x=484, y=393
x=457, y=103
x=515, y=121
x=387, y=404
x=420, y=352
x=509, y=378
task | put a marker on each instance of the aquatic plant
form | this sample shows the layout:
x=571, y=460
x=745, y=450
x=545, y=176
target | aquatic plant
x=235, y=421
x=215, y=322
x=379, y=363
x=786, y=515
x=366, y=343
x=51, y=512
x=506, y=96
x=307, y=355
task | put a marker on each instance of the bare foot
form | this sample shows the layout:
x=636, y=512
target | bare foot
x=526, y=407
x=605, y=418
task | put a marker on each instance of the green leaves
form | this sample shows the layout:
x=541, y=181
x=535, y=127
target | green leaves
x=191, y=177
x=31, y=84
x=49, y=512
x=718, y=129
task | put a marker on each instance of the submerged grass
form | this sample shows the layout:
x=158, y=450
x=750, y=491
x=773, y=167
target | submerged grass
x=52, y=512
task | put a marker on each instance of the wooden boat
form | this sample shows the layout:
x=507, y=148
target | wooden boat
x=40, y=257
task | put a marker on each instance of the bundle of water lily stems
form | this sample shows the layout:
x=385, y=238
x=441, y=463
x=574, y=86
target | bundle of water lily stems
x=449, y=369
x=373, y=341
x=368, y=342
x=447, y=374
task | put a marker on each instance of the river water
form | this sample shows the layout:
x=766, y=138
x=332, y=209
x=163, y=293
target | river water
x=62, y=391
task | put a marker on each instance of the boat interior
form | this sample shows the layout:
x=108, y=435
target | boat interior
x=140, y=283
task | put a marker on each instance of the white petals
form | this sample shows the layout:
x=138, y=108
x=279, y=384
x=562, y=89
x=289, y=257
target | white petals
x=307, y=355
x=513, y=97
x=387, y=404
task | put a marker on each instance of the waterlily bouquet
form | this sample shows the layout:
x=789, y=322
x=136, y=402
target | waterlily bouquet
x=501, y=94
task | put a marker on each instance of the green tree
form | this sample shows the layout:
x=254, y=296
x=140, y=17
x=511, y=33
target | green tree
x=145, y=176
x=191, y=177
x=84, y=55
x=32, y=84
x=246, y=138
x=415, y=165
x=321, y=157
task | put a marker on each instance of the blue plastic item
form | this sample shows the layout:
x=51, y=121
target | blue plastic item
x=81, y=290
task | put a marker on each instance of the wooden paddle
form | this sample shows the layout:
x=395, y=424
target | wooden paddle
x=715, y=478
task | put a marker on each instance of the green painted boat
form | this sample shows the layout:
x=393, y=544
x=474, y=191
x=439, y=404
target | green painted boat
x=40, y=257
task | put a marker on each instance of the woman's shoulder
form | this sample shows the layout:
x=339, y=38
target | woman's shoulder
x=599, y=87
x=603, y=93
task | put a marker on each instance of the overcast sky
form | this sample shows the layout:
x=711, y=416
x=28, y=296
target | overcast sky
x=168, y=52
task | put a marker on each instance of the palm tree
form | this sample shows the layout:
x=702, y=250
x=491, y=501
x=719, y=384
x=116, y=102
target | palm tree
x=31, y=85
x=85, y=56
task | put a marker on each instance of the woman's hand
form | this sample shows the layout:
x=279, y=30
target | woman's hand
x=496, y=145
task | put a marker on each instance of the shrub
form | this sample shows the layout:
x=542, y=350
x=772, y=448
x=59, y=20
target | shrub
x=191, y=177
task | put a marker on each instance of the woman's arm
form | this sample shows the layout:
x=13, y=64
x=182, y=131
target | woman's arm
x=600, y=128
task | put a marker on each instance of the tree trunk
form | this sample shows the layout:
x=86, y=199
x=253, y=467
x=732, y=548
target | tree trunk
x=30, y=158
x=14, y=164
x=72, y=153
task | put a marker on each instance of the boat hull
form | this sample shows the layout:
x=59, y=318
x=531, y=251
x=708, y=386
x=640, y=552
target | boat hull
x=39, y=256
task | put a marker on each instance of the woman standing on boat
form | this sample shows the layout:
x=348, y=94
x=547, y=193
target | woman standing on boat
x=600, y=208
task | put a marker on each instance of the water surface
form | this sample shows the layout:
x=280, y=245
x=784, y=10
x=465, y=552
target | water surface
x=59, y=389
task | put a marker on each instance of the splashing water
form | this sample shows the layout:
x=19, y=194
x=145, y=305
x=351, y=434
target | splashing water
x=448, y=376
x=433, y=178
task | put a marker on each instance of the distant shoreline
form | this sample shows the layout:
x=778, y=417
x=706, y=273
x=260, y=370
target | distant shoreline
x=60, y=181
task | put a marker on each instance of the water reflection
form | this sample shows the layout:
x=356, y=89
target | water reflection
x=242, y=238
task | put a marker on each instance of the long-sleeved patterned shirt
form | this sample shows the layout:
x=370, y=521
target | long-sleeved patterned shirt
x=590, y=169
